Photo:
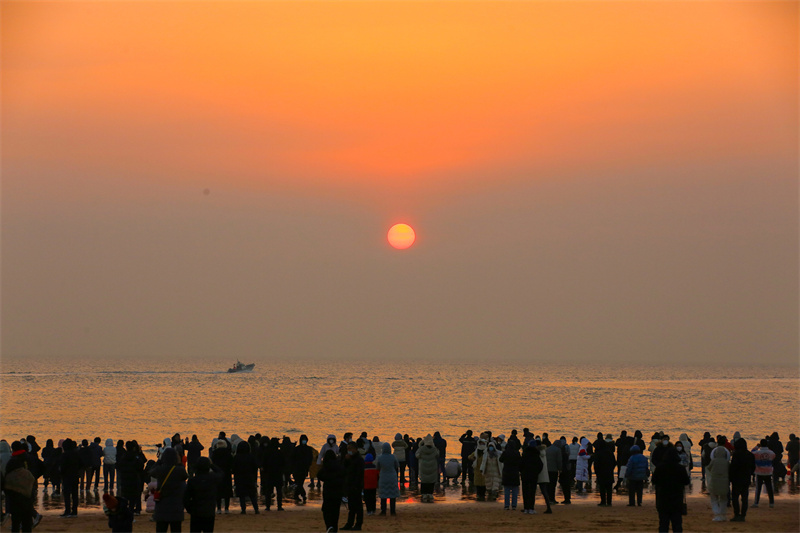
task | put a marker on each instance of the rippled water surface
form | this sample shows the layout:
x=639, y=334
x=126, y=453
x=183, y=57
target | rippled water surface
x=149, y=400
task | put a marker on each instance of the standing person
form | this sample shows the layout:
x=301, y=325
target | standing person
x=411, y=459
x=71, y=470
x=370, y=484
x=685, y=457
x=221, y=457
x=109, y=465
x=604, y=466
x=85, y=454
x=302, y=459
x=670, y=478
x=468, y=445
x=792, y=454
x=565, y=477
x=554, y=464
x=582, y=470
x=717, y=473
x=512, y=462
x=97, y=463
x=18, y=484
x=330, y=444
x=764, y=458
x=574, y=448
x=171, y=478
x=388, y=468
x=492, y=470
x=200, y=499
x=740, y=471
x=332, y=475
x=702, y=443
x=273, y=469
x=778, y=470
x=624, y=444
x=48, y=453
x=400, y=449
x=314, y=468
x=441, y=445
x=353, y=486
x=193, y=452
x=530, y=467
x=428, y=461
x=245, y=474
x=476, y=458
x=636, y=471
x=544, y=477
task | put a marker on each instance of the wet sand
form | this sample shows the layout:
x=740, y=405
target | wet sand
x=583, y=515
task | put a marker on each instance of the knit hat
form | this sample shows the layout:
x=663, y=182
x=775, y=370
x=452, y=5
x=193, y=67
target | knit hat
x=369, y=458
x=110, y=501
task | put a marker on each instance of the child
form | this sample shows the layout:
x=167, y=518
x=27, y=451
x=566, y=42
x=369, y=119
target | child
x=370, y=484
x=120, y=517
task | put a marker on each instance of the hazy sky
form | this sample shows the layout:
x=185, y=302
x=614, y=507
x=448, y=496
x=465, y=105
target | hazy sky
x=588, y=181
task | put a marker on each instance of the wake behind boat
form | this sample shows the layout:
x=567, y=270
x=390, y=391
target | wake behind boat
x=241, y=367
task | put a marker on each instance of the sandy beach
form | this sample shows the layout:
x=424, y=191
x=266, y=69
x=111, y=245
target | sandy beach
x=474, y=516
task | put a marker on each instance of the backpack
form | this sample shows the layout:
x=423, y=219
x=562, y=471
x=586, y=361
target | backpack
x=20, y=481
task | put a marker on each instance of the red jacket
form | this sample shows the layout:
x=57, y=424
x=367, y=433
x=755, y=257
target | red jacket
x=370, y=476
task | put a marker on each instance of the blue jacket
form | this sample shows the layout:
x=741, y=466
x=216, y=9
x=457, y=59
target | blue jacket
x=637, y=465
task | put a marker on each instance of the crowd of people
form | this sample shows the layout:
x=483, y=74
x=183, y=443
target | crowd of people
x=186, y=476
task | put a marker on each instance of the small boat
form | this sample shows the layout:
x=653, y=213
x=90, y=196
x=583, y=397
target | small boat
x=241, y=367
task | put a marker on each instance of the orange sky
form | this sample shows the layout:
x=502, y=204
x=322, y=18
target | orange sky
x=394, y=96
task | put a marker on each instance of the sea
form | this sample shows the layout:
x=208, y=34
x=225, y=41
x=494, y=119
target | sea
x=149, y=400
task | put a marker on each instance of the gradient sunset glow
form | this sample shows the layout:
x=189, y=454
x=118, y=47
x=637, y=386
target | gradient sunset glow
x=593, y=179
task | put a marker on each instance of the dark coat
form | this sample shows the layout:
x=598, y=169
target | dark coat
x=273, y=463
x=301, y=461
x=245, y=466
x=222, y=459
x=353, y=474
x=468, y=445
x=121, y=520
x=86, y=456
x=193, y=450
x=200, y=498
x=70, y=464
x=511, y=466
x=670, y=478
x=742, y=465
x=604, y=465
x=530, y=464
x=172, y=486
x=331, y=473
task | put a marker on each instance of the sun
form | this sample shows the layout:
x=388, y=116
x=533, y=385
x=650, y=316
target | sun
x=401, y=236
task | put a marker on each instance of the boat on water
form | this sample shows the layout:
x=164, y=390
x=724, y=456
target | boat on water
x=241, y=367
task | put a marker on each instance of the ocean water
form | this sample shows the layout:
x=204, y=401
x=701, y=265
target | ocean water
x=150, y=400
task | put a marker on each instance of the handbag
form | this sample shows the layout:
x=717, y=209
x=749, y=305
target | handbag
x=157, y=492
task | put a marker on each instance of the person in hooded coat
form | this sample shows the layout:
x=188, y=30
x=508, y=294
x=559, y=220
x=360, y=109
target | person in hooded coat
x=685, y=457
x=476, y=458
x=636, y=471
x=441, y=445
x=221, y=457
x=529, y=469
x=200, y=498
x=718, y=484
x=492, y=470
x=512, y=462
x=245, y=473
x=273, y=469
x=171, y=477
x=330, y=444
x=400, y=449
x=604, y=466
x=388, y=468
x=109, y=465
x=332, y=475
x=670, y=479
x=427, y=461
x=740, y=471
x=302, y=458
